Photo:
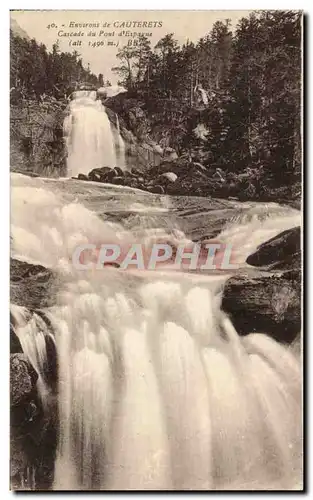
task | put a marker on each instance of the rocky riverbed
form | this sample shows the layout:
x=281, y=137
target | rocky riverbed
x=185, y=177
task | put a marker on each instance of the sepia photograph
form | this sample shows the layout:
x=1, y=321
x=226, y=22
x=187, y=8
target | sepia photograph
x=156, y=250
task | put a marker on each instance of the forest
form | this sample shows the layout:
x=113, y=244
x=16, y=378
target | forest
x=252, y=78
x=35, y=72
x=250, y=122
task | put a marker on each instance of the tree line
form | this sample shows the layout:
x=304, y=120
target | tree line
x=235, y=94
x=36, y=72
x=252, y=82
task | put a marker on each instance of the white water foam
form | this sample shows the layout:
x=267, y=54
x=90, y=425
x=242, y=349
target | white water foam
x=156, y=389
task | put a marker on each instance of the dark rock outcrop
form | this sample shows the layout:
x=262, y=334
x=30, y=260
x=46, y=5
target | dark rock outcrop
x=33, y=430
x=280, y=252
x=32, y=286
x=23, y=379
x=15, y=345
x=270, y=302
x=265, y=304
x=36, y=132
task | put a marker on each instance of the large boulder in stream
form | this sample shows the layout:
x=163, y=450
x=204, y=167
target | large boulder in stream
x=33, y=436
x=269, y=302
x=280, y=252
x=31, y=285
x=23, y=379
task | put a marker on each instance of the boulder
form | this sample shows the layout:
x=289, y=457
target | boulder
x=82, y=177
x=23, y=378
x=158, y=149
x=109, y=175
x=33, y=436
x=118, y=180
x=170, y=176
x=32, y=286
x=157, y=189
x=119, y=172
x=94, y=176
x=136, y=172
x=269, y=302
x=15, y=344
x=280, y=252
x=170, y=154
x=265, y=304
x=135, y=184
x=103, y=174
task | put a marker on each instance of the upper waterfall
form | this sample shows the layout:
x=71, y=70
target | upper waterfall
x=90, y=141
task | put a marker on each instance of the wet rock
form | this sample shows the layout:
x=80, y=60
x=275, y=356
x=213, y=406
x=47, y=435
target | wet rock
x=118, y=171
x=265, y=304
x=32, y=286
x=158, y=149
x=170, y=154
x=136, y=172
x=157, y=189
x=23, y=378
x=270, y=302
x=134, y=183
x=15, y=344
x=23, y=270
x=280, y=252
x=99, y=174
x=33, y=438
x=94, y=176
x=170, y=176
x=109, y=176
x=82, y=177
x=118, y=180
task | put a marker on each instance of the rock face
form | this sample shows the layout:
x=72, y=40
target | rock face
x=23, y=379
x=33, y=431
x=32, y=286
x=269, y=303
x=36, y=137
x=266, y=304
x=280, y=252
x=141, y=152
x=24, y=411
x=15, y=345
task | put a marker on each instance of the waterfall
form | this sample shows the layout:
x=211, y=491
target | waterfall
x=36, y=340
x=156, y=389
x=120, y=146
x=88, y=136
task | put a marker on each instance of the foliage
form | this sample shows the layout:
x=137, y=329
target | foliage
x=35, y=72
x=252, y=80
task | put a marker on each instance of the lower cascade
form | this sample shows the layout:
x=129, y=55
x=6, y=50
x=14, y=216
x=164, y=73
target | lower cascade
x=156, y=390
x=90, y=141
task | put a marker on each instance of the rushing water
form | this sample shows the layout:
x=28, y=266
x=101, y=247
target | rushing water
x=90, y=140
x=156, y=390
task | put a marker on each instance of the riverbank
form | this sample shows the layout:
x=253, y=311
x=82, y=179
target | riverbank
x=184, y=177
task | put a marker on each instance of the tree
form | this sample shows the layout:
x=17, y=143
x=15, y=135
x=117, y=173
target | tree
x=168, y=52
x=35, y=72
x=127, y=69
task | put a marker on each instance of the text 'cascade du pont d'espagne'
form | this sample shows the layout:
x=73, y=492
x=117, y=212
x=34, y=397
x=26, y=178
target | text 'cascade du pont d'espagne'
x=97, y=34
